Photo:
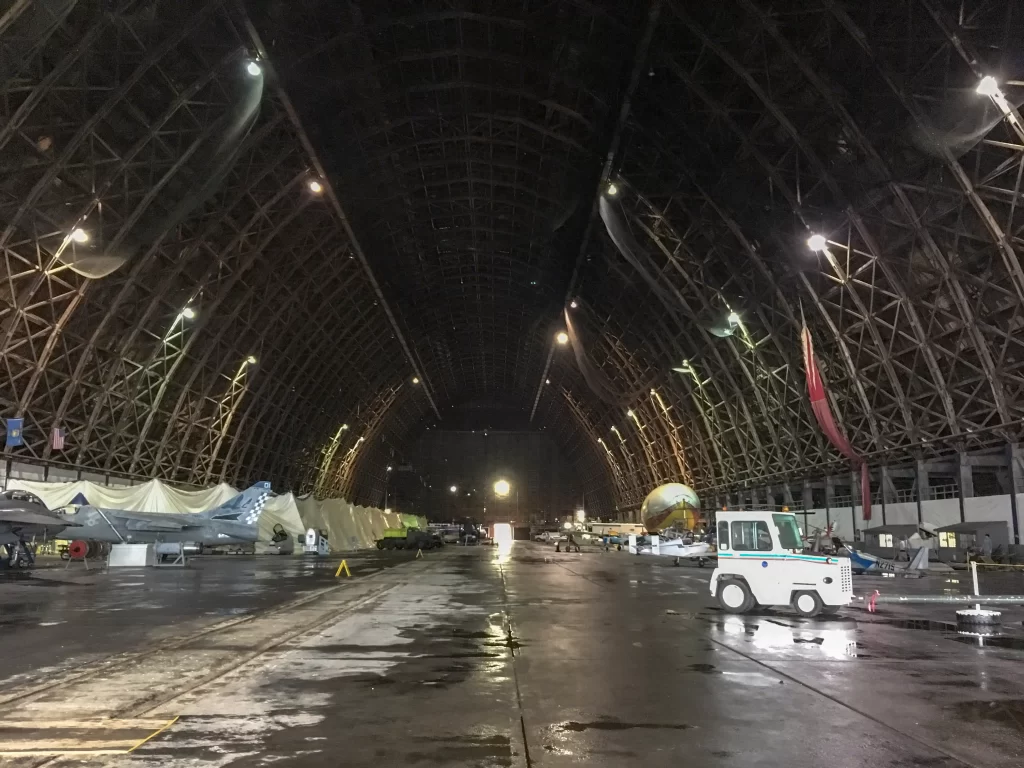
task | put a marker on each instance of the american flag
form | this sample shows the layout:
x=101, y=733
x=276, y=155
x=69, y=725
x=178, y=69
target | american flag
x=57, y=438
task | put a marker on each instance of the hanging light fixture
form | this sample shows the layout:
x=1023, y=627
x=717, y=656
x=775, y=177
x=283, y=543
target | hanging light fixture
x=817, y=242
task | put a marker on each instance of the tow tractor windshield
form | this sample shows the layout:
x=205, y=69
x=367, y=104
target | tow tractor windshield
x=789, y=533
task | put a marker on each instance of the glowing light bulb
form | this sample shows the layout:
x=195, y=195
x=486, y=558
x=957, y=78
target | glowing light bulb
x=253, y=69
x=79, y=235
x=562, y=337
x=817, y=242
x=988, y=86
x=316, y=187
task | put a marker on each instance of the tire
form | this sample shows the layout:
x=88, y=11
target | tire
x=700, y=562
x=734, y=596
x=380, y=545
x=808, y=604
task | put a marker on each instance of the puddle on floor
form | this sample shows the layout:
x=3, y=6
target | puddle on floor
x=921, y=624
x=1009, y=712
x=615, y=725
x=989, y=641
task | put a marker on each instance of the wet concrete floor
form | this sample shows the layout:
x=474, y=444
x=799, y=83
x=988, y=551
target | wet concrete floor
x=55, y=615
x=474, y=657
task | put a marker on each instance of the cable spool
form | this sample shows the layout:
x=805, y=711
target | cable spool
x=971, y=618
x=79, y=549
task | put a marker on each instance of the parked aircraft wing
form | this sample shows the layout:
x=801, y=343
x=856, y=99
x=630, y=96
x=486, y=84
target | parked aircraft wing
x=26, y=517
x=149, y=521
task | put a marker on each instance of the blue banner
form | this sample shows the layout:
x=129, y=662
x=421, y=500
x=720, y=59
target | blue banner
x=14, y=432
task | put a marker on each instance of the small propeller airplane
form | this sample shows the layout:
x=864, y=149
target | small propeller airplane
x=676, y=548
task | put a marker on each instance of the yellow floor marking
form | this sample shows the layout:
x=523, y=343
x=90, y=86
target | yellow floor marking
x=61, y=752
x=157, y=732
x=145, y=723
x=69, y=745
x=56, y=747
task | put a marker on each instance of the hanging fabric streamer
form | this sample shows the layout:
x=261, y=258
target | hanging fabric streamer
x=823, y=415
x=630, y=249
x=596, y=379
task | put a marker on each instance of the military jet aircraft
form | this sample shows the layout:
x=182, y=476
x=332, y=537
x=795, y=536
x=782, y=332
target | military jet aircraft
x=233, y=522
x=23, y=515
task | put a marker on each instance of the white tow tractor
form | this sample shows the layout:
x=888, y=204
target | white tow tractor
x=761, y=562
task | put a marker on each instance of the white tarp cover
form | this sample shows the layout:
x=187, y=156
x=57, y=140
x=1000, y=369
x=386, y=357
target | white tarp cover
x=347, y=526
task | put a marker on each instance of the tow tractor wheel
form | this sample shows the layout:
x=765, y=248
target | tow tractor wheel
x=807, y=604
x=734, y=596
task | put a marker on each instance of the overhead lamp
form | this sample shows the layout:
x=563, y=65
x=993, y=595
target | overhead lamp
x=817, y=242
x=253, y=68
x=390, y=467
x=547, y=381
x=415, y=379
x=502, y=488
x=188, y=313
x=454, y=489
x=79, y=235
x=562, y=337
x=251, y=359
x=572, y=304
x=344, y=427
x=629, y=413
x=612, y=190
x=988, y=87
x=315, y=187
x=733, y=318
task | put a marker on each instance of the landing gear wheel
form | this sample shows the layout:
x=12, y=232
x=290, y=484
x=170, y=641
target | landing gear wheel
x=734, y=596
x=807, y=604
x=676, y=561
x=700, y=562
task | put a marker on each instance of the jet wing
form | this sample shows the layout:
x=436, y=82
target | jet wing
x=25, y=517
x=151, y=521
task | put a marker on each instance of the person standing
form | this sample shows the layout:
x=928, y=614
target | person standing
x=986, y=546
